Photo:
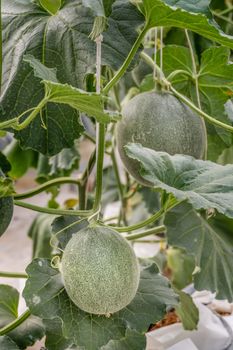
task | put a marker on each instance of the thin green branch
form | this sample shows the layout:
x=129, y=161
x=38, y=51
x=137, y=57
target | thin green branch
x=127, y=62
x=200, y=112
x=45, y=186
x=81, y=213
x=152, y=231
x=171, y=204
x=226, y=19
x=141, y=224
x=13, y=274
x=178, y=71
x=226, y=11
x=14, y=324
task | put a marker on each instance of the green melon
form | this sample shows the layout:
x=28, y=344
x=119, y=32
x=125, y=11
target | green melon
x=6, y=211
x=158, y=120
x=100, y=270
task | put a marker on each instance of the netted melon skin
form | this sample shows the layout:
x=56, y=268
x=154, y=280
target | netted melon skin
x=100, y=271
x=158, y=120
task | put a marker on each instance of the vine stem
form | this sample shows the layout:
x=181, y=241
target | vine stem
x=148, y=221
x=100, y=131
x=81, y=213
x=226, y=19
x=195, y=77
x=14, y=324
x=151, y=231
x=45, y=186
x=210, y=119
x=13, y=274
x=119, y=184
x=32, y=116
x=126, y=63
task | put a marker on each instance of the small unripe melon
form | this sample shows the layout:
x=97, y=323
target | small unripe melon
x=160, y=121
x=100, y=270
x=6, y=211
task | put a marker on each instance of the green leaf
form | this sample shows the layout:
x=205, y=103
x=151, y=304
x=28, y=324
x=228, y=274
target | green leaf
x=4, y=164
x=6, y=187
x=62, y=42
x=61, y=164
x=52, y=6
x=68, y=227
x=210, y=241
x=87, y=102
x=40, y=232
x=195, y=6
x=181, y=265
x=46, y=297
x=54, y=338
x=40, y=70
x=7, y=344
x=20, y=160
x=187, y=311
x=30, y=330
x=131, y=340
x=158, y=13
x=203, y=184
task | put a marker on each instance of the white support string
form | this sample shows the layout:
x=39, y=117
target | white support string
x=98, y=41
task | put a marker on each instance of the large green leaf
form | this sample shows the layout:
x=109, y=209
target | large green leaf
x=7, y=344
x=210, y=241
x=30, y=330
x=60, y=41
x=184, y=15
x=86, y=102
x=204, y=184
x=52, y=6
x=46, y=297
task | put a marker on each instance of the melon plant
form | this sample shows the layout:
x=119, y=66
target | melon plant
x=100, y=270
x=69, y=71
x=158, y=120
